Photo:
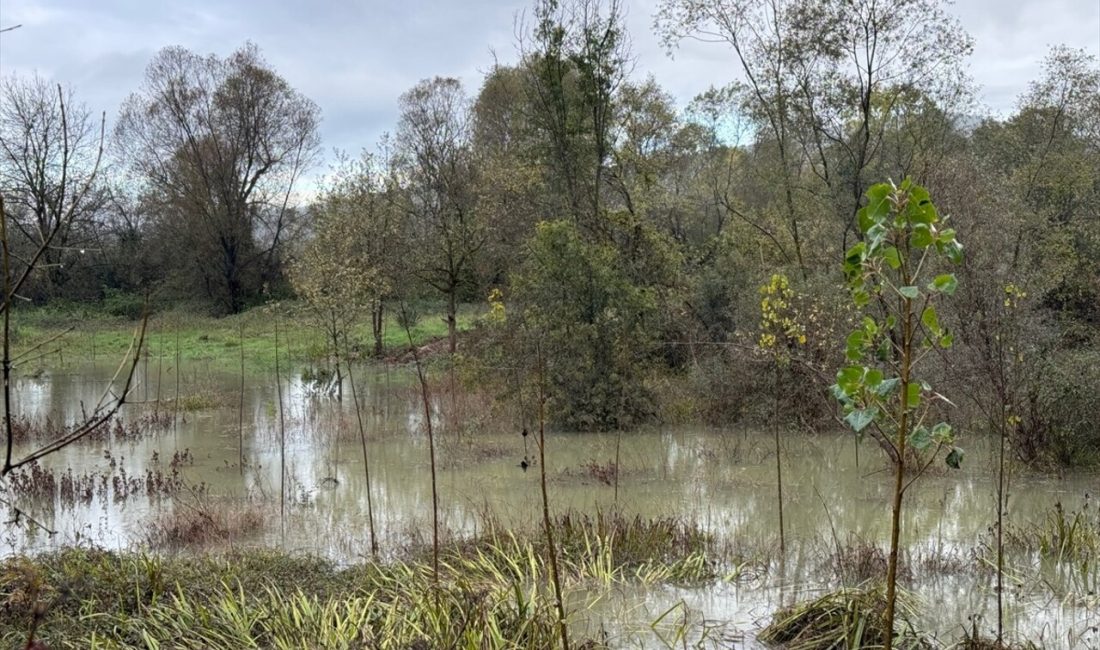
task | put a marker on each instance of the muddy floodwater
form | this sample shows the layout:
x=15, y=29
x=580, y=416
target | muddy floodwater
x=721, y=479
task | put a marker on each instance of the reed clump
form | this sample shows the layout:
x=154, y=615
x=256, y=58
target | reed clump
x=845, y=618
x=203, y=524
x=975, y=641
x=202, y=400
x=1061, y=534
x=1067, y=535
x=650, y=549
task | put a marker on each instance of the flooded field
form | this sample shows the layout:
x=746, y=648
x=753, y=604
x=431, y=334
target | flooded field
x=122, y=486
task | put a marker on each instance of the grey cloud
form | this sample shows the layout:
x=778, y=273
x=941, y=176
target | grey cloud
x=354, y=58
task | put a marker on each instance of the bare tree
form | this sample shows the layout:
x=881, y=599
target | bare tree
x=439, y=172
x=49, y=156
x=220, y=144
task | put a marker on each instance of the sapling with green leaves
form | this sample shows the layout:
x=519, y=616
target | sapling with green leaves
x=893, y=278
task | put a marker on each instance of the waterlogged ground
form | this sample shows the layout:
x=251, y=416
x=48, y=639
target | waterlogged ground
x=836, y=497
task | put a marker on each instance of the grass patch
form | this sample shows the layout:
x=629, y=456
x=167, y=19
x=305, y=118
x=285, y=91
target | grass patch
x=91, y=334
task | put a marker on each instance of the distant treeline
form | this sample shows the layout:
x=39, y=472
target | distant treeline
x=621, y=241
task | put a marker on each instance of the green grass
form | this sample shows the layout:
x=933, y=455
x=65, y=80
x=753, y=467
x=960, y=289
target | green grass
x=85, y=332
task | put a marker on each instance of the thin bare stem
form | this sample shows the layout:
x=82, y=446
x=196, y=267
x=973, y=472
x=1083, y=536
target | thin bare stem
x=282, y=437
x=363, y=440
x=431, y=448
x=240, y=407
x=9, y=432
x=547, y=524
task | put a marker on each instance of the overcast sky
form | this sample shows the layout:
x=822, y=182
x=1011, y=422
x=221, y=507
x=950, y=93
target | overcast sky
x=355, y=57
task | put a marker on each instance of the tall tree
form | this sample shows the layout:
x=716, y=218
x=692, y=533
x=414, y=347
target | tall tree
x=825, y=80
x=756, y=32
x=576, y=57
x=220, y=144
x=512, y=194
x=439, y=173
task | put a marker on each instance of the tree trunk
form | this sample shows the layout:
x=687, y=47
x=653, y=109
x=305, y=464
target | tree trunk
x=336, y=353
x=377, y=313
x=452, y=332
x=899, y=470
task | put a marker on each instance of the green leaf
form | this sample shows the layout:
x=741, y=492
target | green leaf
x=865, y=218
x=839, y=393
x=859, y=419
x=909, y=292
x=878, y=204
x=873, y=378
x=850, y=379
x=882, y=352
x=853, y=261
x=920, y=209
x=892, y=257
x=955, y=458
x=855, y=345
x=952, y=249
x=931, y=320
x=922, y=236
x=946, y=340
x=876, y=234
x=920, y=439
x=943, y=434
x=946, y=283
